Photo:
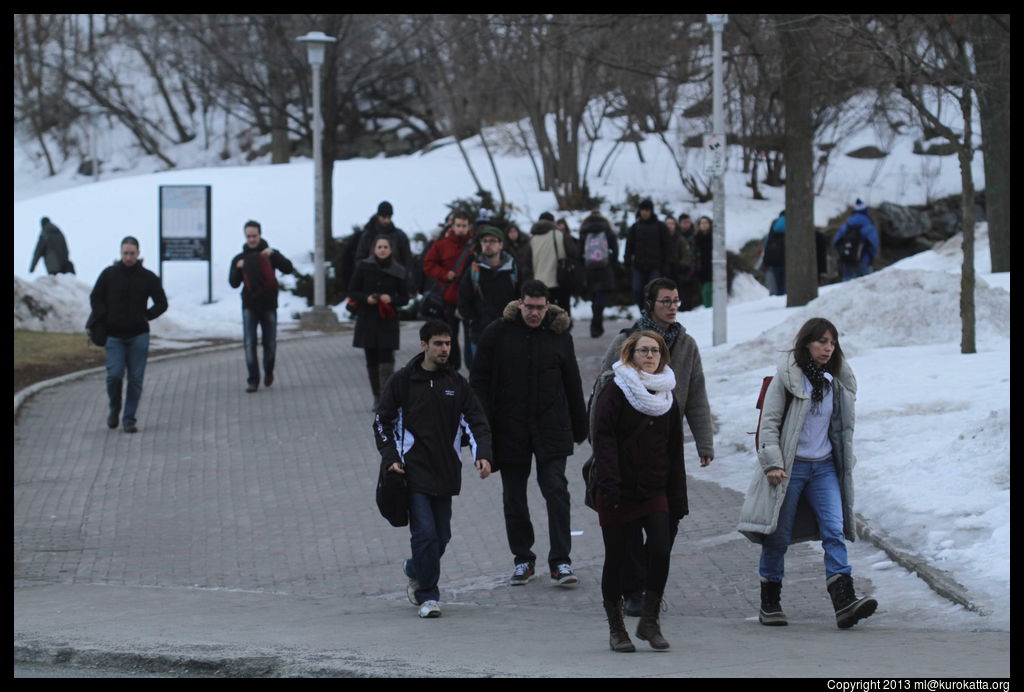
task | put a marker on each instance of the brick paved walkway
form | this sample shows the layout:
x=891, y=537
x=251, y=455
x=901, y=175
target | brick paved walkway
x=273, y=492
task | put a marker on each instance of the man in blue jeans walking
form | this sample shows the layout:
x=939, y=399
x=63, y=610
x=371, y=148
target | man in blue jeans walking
x=425, y=410
x=120, y=300
x=254, y=267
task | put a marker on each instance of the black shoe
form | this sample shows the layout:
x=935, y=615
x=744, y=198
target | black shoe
x=771, y=604
x=130, y=428
x=849, y=609
x=112, y=420
x=268, y=379
x=252, y=388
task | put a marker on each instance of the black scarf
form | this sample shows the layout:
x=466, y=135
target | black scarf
x=669, y=335
x=816, y=375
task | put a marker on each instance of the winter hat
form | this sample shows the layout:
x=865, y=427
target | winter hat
x=859, y=205
x=491, y=230
x=646, y=204
x=385, y=209
x=483, y=216
x=546, y=216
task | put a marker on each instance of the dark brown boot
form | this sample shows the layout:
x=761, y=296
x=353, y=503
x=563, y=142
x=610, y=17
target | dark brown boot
x=618, y=638
x=649, y=629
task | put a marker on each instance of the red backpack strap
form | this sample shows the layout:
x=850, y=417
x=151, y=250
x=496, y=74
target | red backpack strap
x=760, y=409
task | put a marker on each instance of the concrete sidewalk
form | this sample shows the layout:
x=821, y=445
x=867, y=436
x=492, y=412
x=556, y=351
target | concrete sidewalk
x=236, y=534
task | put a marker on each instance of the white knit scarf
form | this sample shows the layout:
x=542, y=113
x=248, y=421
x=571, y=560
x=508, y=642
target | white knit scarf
x=648, y=393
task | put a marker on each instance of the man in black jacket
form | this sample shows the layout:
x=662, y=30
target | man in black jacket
x=254, y=266
x=527, y=379
x=425, y=410
x=381, y=224
x=52, y=248
x=648, y=249
x=119, y=300
x=488, y=284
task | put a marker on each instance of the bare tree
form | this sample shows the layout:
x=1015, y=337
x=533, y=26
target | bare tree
x=930, y=61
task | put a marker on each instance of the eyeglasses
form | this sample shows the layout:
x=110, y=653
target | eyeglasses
x=489, y=239
x=535, y=308
x=668, y=301
x=649, y=351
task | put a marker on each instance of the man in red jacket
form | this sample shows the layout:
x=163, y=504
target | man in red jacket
x=446, y=261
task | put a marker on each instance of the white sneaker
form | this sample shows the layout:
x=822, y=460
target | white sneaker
x=430, y=609
x=410, y=589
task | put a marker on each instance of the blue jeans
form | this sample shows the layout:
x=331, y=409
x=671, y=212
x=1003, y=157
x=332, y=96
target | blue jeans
x=641, y=277
x=818, y=483
x=266, y=320
x=126, y=354
x=430, y=519
x=854, y=271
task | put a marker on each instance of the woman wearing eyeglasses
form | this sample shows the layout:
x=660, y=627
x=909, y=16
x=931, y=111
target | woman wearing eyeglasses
x=640, y=481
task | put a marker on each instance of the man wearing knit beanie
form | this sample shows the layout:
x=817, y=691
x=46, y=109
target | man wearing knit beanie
x=381, y=224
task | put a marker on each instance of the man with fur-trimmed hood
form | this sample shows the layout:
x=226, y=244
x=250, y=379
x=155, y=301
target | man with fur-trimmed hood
x=526, y=377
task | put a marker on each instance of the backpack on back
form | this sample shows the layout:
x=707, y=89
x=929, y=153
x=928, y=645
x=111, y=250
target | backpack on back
x=595, y=251
x=760, y=408
x=851, y=246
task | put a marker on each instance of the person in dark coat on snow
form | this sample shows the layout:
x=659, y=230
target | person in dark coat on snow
x=380, y=287
x=52, y=248
x=254, y=266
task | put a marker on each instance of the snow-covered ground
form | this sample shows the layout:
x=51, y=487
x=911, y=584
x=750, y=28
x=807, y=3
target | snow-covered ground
x=933, y=425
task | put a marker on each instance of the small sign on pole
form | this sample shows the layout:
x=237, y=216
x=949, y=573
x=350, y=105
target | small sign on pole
x=185, y=227
x=714, y=154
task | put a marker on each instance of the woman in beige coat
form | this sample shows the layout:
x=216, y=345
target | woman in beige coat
x=803, y=487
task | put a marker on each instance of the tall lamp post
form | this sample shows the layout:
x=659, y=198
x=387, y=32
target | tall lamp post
x=719, y=292
x=94, y=112
x=316, y=45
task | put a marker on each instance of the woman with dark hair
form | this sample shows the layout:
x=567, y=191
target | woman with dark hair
x=379, y=286
x=702, y=241
x=519, y=247
x=640, y=478
x=803, y=487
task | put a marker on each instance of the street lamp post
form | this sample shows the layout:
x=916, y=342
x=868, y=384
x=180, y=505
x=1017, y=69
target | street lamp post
x=719, y=293
x=316, y=45
x=94, y=112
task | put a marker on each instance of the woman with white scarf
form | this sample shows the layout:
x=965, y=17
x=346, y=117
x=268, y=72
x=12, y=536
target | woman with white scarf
x=640, y=478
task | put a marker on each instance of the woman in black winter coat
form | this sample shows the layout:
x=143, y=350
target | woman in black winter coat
x=702, y=243
x=640, y=482
x=379, y=286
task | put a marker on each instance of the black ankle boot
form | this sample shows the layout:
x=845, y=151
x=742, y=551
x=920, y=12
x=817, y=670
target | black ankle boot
x=771, y=604
x=849, y=609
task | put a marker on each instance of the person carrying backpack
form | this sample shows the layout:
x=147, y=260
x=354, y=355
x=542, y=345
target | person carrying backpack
x=774, y=257
x=856, y=243
x=600, y=258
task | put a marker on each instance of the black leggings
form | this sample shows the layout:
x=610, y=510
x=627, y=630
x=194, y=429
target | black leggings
x=376, y=356
x=619, y=543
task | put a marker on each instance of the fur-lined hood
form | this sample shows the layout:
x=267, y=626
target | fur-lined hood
x=557, y=319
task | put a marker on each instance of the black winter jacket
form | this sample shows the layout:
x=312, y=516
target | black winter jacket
x=373, y=278
x=528, y=381
x=236, y=277
x=400, y=249
x=484, y=291
x=638, y=456
x=420, y=423
x=121, y=297
x=649, y=245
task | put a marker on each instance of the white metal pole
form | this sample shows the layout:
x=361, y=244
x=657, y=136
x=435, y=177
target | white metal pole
x=719, y=295
x=319, y=288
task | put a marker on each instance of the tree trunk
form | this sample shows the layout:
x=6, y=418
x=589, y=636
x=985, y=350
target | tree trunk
x=801, y=269
x=993, y=56
x=965, y=154
x=494, y=168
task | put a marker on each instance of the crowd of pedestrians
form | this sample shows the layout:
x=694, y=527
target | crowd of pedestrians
x=522, y=409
